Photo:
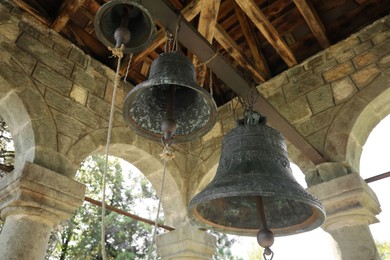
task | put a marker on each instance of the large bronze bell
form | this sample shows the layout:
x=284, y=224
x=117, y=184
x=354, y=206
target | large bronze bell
x=170, y=96
x=125, y=22
x=254, y=188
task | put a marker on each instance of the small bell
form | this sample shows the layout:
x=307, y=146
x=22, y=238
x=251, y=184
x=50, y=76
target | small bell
x=125, y=22
x=170, y=102
x=254, y=192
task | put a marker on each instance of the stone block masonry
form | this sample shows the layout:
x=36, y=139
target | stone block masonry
x=308, y=94
x=73, y=85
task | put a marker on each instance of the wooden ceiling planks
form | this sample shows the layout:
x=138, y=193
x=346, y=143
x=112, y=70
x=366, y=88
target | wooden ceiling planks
x=269, y=32
x=236, y=52
x=250, y=37
x=294, y=29
x=206, y=27
x=314, y=22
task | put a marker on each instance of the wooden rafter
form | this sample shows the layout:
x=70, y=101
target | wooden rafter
x=314, y=21
x=32, y=11
x=192, y=9
x=158, y=41
x=235, y=51
x=268, y=30
x=68, y=8
x=206, y=27
x=250, y=38
x=87, y=40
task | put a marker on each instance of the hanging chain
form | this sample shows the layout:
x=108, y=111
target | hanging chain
x=268, y=254
x=168, y=42
x=118, y=53
x=166, y=155
x=211, y=83
x=175, y=47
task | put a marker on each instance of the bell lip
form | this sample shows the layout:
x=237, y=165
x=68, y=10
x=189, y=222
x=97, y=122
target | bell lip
x=102, y=38
x=131, y=96
x=313, y=222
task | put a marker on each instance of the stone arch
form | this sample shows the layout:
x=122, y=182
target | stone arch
x=355, y=121
x=30, y=122
x=204, y=173
x=144, y=155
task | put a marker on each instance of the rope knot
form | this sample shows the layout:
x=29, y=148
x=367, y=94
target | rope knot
x=167, y=154
x=117, y=52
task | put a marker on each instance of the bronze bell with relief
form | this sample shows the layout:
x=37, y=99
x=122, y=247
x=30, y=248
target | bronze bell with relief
x=254, y=188
x=125, y=22
x=170, y=103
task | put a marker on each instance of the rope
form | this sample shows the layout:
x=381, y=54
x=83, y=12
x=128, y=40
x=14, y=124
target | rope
x=211, y=83
x=118, y=53
x=175, y=47
x=128, y=67
x=166, y=155
x=207, y=61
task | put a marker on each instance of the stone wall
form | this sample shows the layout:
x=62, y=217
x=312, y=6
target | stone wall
x=56, y=101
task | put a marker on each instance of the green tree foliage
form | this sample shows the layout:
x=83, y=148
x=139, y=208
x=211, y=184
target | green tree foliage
x=79, y=238
x=7, y=152
x=383, y=250
x=256, y=252
x=224, y=244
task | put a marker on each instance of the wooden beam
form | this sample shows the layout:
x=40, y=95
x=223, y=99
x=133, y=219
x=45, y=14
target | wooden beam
x=158, y=41
x=235, y=51
x=68, y=8
x=206, y=27
x=252, y=41
x=86, y=39
x=192, y=9
x=127, y=214
x=314, y=21
x=189, y=13
x=32, y=11
x=267, y=29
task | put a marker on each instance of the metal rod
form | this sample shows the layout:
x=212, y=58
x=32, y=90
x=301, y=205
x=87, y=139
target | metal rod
x=378, y=177
x=127, y=214
x=260, y=211
x=170, y=113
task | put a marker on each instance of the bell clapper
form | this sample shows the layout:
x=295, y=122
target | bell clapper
x=122, y=34
x=168, y=126
x=265, y=237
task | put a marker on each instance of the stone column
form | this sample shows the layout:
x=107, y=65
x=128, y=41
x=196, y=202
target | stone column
x=351, y=205
x=186, y=243
x=33, y=202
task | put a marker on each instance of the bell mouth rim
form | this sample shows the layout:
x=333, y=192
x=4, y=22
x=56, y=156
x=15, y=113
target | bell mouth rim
x=314, y=221
x=100, y=35
x=131, y=96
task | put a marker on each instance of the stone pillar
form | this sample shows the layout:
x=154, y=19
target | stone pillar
x=186, y=243
x=33, y=202
x=351, y=205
